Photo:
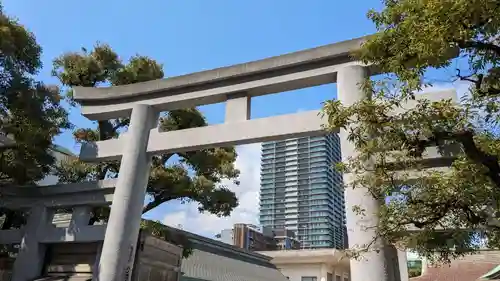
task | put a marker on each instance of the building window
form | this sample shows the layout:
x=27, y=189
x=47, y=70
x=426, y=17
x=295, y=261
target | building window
x=329, y=277
x=337, y=278
x=309, y=278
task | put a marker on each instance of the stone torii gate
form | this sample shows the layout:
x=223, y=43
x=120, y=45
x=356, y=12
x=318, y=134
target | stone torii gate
x=235, y=85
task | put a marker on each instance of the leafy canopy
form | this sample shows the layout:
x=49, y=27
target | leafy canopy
x=177, y=236
x=31, y=113
x=190, y=176
x=453, y=209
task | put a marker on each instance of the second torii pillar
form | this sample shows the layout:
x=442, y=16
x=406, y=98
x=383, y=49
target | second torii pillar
x=372, y=265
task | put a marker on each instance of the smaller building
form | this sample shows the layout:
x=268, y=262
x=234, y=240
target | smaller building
x=311, y=264
x=254, y=238
x=250, y=237
x=285, y=239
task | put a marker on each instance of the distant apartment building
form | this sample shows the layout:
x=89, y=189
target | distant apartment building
x=301, y=192
x=251, y=237
x=286, y=240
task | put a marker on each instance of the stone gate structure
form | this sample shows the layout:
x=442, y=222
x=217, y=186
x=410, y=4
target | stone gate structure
x=40, y=232
x=142, y=102
x=235, y=85
x=59, y=242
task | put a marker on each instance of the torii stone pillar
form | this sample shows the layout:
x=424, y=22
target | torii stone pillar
x=371, y=266
x=128, y=200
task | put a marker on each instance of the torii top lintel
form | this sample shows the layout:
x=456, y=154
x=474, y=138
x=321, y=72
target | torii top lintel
x=286, y=72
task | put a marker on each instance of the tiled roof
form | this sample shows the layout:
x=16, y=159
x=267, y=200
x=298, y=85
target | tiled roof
x=457, y=271
x=205, y=265
x=200, y=242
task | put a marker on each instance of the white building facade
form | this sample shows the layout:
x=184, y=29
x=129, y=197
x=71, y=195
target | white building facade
x=311, y=264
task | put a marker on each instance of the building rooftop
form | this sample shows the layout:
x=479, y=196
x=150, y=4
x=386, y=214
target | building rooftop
x=63, y=150
x=212, y=266
x=326, y=255
x=212, y=260
x=5, y=140
x=478, y=267
x=457, y=271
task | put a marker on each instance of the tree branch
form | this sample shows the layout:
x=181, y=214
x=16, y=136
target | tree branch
x=478, y=83
x=440, y=211
x=466, y=138
x=155, y=203
x=482, y=46
x=151, y=205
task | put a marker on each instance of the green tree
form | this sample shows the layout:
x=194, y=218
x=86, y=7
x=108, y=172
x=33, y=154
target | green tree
x=414, y=272
x=414, y=268
x=157, y=229
x=415, y=40
x=190, y=176
x=31, y=114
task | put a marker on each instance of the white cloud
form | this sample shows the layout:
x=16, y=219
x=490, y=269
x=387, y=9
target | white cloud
x=248, y=162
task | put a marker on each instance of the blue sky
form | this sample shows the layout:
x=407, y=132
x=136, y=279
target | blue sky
x=194, y=35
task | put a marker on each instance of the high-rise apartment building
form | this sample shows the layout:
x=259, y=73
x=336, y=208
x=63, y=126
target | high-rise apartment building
x=300, y=191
